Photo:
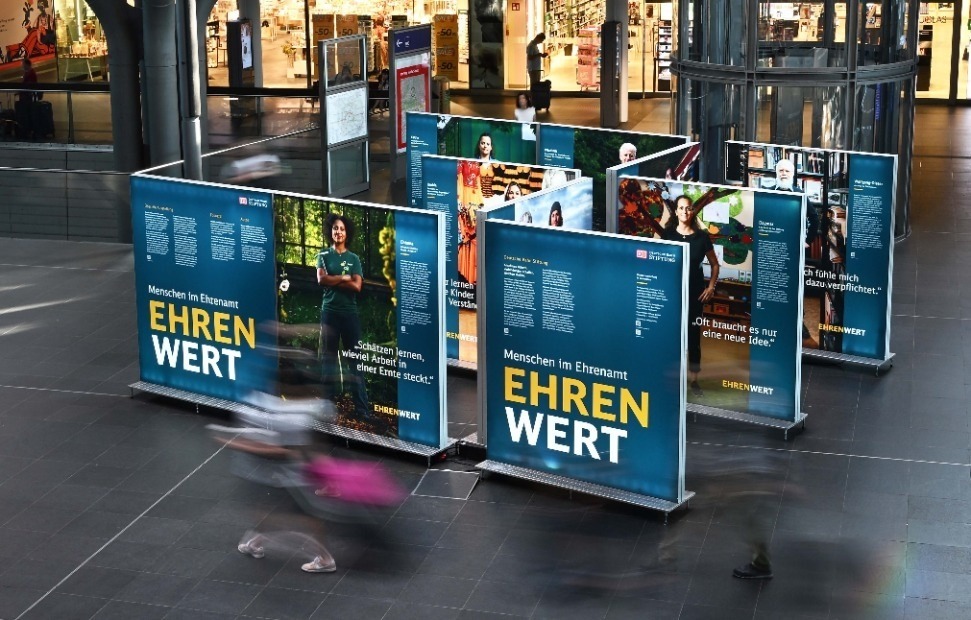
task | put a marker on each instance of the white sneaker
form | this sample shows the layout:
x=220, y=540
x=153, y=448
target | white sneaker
x=250, y=549
x=317, y=565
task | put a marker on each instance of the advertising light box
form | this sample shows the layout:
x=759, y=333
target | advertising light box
x=380, y=348
x=744, y=288
x=593, y=150
x=584, y=357
x=459, y=188
x=460, y=136
x=300, y=297
x=849, y=240
x=204, y=277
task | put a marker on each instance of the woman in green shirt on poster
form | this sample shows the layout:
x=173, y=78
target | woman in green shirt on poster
x=339, y=272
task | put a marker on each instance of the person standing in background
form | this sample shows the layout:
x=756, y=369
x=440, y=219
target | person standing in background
x=534, y=59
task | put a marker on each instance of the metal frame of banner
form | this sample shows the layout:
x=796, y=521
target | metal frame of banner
x=588, y=488
x=726, y=414
x=877, y=365
x=325, y=427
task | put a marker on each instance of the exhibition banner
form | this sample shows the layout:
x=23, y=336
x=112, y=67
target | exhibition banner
x=572, y=391
x=462, y=136
x=459, y=188
x=745, y=286
x=593, y=150
x=204, y=281
x=679, y=163
x=849, y=239
x=351, y=311
x=370, y=311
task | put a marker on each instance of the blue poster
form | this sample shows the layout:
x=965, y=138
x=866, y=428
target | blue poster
x=865, y=283
x=204, y=284
x=849, y=238
x=570, y=390
x=459, y=188
x=744, y=288
x=422, y=140
x=482, y=139
x=593, y=151
x=361, y=296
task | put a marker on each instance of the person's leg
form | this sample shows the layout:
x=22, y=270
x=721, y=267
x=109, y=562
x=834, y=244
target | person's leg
x=329, y=369
x=350, y=334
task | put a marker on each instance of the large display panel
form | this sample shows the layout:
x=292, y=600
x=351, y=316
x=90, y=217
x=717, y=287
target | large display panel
x=849, y=240
x=294, y=296
x=679, y=163
x=593, y=150
x=204, y=280
x=744, y=307
x=382, y=357
x=570, y=391
x=459, y=188
x=461, y=136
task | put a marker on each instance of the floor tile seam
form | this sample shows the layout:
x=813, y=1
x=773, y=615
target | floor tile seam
x=839, y=454
x=59, y=391
x=121, y=532
x=68, y=268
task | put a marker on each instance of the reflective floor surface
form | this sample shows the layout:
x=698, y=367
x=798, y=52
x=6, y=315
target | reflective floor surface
x=120, y=507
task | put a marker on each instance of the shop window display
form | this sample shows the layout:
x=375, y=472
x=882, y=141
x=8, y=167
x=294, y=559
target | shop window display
x=63, y=43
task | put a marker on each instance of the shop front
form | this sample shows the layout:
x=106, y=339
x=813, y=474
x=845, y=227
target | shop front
x=64, y=42
x=479, y=44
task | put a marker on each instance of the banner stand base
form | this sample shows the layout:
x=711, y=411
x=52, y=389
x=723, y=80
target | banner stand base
x=429, y=452
x=588, y=488
x=878, y=366
x=331, y=429
x=785, y=425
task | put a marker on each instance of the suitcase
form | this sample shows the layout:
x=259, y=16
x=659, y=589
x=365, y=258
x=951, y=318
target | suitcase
x=540, y=94
x=42, y=119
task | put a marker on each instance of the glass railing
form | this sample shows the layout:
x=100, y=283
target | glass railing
x=67, y=191
x=56, y=117
x=63, y=117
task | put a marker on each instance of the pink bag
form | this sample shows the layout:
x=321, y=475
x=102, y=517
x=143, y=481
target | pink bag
x=354, y=482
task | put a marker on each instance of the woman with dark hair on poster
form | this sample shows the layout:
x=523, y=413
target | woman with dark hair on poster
x=339, y=272
x=556, y=215
x=483, y=147
x=686, y=229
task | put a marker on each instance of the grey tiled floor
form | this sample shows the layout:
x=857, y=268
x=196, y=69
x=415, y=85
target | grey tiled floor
x=113, y=507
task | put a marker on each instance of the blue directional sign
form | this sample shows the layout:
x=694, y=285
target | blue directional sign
x=411, y=40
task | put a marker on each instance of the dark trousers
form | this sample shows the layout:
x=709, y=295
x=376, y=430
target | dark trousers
x=341, y=331
x=695, y=309
x=535, y=76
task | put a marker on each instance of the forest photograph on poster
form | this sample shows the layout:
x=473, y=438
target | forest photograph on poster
x=363, y=400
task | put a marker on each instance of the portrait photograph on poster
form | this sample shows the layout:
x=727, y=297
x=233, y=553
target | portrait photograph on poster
x=459, y=188
x=849, y=238
x=567, y=206
x=467, y=137
x=567, y=392
x=744, y=287
x=358, y=295
x=593, y=150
